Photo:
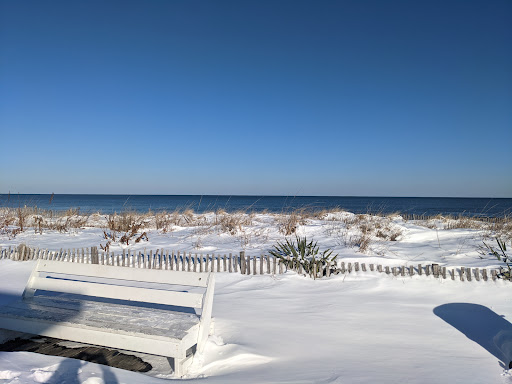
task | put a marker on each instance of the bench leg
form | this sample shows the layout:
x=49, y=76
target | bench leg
x=180, y=366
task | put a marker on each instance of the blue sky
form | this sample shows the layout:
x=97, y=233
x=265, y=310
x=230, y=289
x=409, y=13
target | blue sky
x=372, y=98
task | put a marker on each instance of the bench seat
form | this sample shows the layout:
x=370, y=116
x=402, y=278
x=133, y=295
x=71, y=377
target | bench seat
x=146, y=322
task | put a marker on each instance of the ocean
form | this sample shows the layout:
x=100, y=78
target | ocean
x=430, y=206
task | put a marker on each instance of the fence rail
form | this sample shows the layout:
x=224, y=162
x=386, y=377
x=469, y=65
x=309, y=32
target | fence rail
x=236, y=263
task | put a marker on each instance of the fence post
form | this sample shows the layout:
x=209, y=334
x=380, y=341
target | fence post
x=94, y=255
x=165, y=259
x=248, y=265
x=242, y=262
x=435, y=270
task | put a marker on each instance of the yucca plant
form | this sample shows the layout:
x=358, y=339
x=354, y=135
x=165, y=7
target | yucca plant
x=501, y=255
x=303, y=253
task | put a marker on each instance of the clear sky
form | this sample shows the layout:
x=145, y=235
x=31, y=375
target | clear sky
x=373, y=98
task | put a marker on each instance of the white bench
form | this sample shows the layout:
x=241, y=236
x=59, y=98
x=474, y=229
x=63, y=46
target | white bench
x=108, y=306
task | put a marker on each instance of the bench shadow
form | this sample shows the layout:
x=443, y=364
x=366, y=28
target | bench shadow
x=480, y=324
x=67, y=372
x=69, y=369
x=6, y=298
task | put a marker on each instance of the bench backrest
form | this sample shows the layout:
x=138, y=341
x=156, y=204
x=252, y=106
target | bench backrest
x=120, y=283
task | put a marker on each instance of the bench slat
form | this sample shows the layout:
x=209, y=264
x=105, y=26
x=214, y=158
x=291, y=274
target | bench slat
x=96, y=336
x=133, y=274
x=158, y=296
x=106, y=316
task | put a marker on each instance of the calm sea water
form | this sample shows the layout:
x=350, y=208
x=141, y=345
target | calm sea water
x=142, y=203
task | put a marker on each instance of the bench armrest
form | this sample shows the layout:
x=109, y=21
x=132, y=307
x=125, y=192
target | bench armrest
x=206, y=315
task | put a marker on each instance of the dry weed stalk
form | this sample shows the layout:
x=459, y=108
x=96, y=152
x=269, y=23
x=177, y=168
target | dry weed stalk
x=463, y=222
x=7, y=221
x=22, y=214
x=361, y=230
x=163, y=222
x=123, y=228
x=288, y=223
x=232, y=223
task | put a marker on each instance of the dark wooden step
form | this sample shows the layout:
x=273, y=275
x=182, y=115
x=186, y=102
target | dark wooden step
x=93, y=354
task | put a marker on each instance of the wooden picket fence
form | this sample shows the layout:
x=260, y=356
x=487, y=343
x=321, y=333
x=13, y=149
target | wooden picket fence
x=485, y=219
x=435, y=270
x=159, y=259
x=236, y=263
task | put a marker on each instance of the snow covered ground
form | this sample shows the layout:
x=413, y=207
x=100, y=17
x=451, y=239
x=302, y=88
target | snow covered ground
x=364, y=238
x=357, y=328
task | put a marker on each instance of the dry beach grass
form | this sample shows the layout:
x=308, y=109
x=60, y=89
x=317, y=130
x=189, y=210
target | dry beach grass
x=359, y=231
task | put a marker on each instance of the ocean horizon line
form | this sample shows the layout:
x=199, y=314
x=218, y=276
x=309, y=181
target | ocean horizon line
x=251, y=195
x=470, y=206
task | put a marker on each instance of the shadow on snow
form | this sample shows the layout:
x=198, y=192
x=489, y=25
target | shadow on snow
x=480, y=324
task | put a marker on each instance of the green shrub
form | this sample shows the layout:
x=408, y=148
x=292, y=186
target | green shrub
x=501, y=255
x=301, y=253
